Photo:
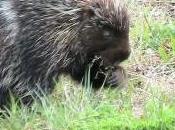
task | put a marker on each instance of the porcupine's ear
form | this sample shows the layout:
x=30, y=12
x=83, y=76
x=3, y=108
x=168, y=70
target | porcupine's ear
x=88, y=10
x=87, y=13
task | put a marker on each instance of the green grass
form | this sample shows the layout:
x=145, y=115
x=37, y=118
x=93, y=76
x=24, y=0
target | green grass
x=155, y=33
x=73, y=107
x=160, y=36
x=82, y=109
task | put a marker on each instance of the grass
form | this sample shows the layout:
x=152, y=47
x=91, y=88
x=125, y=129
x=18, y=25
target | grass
x=146, y=104
x=158, y=35
x=81, y=109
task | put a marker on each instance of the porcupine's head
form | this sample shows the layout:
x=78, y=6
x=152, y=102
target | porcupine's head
x=105, y=31
x=86, y=29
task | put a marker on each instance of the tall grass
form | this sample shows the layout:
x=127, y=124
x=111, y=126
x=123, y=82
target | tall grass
x=77, y=108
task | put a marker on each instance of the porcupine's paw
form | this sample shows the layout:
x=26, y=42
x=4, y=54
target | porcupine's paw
x=117, y=78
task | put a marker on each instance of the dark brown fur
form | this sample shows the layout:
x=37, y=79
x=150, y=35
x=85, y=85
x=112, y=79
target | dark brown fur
x=40, y=39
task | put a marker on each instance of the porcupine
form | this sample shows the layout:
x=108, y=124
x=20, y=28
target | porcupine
x=41, y=39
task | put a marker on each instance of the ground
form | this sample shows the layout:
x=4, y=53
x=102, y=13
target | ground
x=147, y=61
x=146, y=103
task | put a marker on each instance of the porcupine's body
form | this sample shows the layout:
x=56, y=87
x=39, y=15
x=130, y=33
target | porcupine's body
x=41, y=39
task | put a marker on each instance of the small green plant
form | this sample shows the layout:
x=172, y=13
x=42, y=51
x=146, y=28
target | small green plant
x=156, y=34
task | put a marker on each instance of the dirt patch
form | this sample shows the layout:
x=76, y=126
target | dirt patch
x=158, y=6
x=150, y=73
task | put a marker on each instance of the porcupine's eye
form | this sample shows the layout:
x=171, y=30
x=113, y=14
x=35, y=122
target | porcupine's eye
x=106, y=33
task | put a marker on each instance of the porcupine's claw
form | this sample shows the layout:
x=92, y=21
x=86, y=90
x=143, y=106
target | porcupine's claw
x=113, y=80
x=116, y=77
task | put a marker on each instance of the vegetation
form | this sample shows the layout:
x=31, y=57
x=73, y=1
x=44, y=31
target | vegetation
x=148, y=103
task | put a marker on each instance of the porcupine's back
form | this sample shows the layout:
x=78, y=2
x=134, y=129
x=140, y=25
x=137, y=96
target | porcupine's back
x=41, y=39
